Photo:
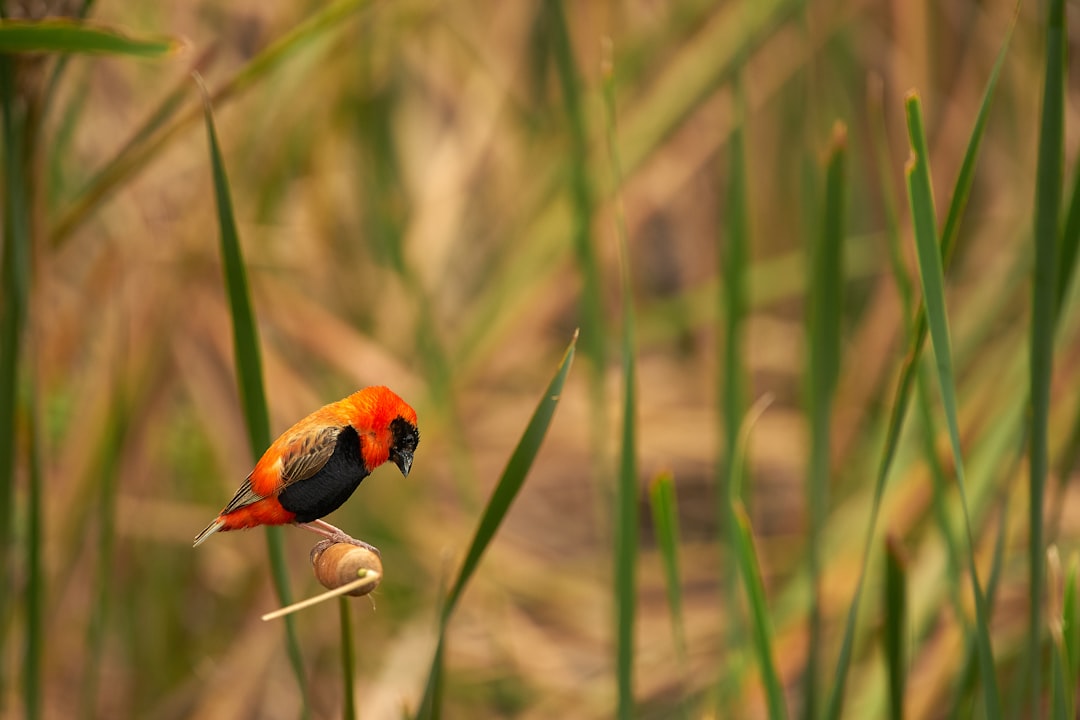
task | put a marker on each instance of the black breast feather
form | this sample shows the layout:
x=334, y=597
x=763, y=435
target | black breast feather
x=326, y=491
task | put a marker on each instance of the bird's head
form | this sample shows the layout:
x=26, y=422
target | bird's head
x=405, y=437
x=387, y=425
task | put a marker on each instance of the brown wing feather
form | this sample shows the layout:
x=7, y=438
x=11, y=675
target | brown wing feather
x=245, y=495
x=307, y=455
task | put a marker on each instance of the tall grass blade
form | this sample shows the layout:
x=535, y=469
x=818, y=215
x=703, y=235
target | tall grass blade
x=824, y=328
x=969, y=673
x=895, y=630
x=249, y=373
x=1070, y=616
x=749, y=570
x=79, y=36
x=581, y=197
x=733, y=307
x=33, y=661
x=1048, y=181
x=902, y=396
x=15, y=287
x=348, y=660
x=665, y=517
x=933, y=284
x=510, y=482
x=626, y=490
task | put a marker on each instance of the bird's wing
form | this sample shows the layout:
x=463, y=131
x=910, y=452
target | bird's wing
x=304, y=455
x=307, y=454
x=245, y=495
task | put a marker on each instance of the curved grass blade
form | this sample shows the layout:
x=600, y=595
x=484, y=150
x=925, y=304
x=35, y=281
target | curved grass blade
x=895, y=624
x=510, y=482
x=933, y=284
x=249, y=372
x=824, y=328
x=142, y=150
x=1048, y=181
x=902, y=396
x=750, y=573
x=79, y=36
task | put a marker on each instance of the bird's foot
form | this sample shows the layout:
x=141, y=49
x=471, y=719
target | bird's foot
x=337, y=535
x=345, y=538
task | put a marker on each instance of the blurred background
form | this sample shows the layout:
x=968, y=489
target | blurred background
x=425, y=200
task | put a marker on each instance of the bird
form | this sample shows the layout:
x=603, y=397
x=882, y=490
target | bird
x=317, y=464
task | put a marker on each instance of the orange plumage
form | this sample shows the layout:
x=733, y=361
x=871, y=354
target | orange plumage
x=314, y=466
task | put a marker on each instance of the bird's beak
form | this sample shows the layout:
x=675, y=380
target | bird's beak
x=404, y=462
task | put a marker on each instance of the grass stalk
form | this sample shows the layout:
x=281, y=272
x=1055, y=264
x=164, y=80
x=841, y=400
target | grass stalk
x=933, y=283
x=749, y=568
x=895, y=625
x=250, y=376
x=824, y=326
x=1048, y=182
x=348, y=659
x=15, y=288
x=733, y=307
x=901, y=398
x=506, y=489
x=665, y=514
x=33, y=662
x=582, y=205
x=626, y=491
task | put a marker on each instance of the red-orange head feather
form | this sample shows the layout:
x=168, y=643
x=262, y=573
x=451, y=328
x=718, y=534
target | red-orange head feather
x=372, y=412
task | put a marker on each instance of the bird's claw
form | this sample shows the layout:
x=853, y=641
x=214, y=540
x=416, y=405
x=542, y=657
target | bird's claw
x=343, y=538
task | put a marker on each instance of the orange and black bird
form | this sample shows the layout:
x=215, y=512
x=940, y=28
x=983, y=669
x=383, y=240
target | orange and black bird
x=315, y=465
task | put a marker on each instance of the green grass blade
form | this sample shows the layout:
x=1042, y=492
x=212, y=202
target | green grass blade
x=512, y=478
x=1048, y=181
x=581, y=200
x=749, y=570
x=969, y=672
x=79, y=36
x=249, y=374
x=626, y=490
x=33, y=660
x=933, y=284
x=16, y=274
x=746, y=557
x=138, y=155
x=348, y=660
x=895, y=630
x=824, y=328
x=665, y=517
x=1070, y=616
x=902, y=396
x=510, y=482
x=733, y=307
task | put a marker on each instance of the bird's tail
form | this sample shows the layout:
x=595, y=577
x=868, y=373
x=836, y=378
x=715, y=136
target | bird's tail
x=210, y=530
